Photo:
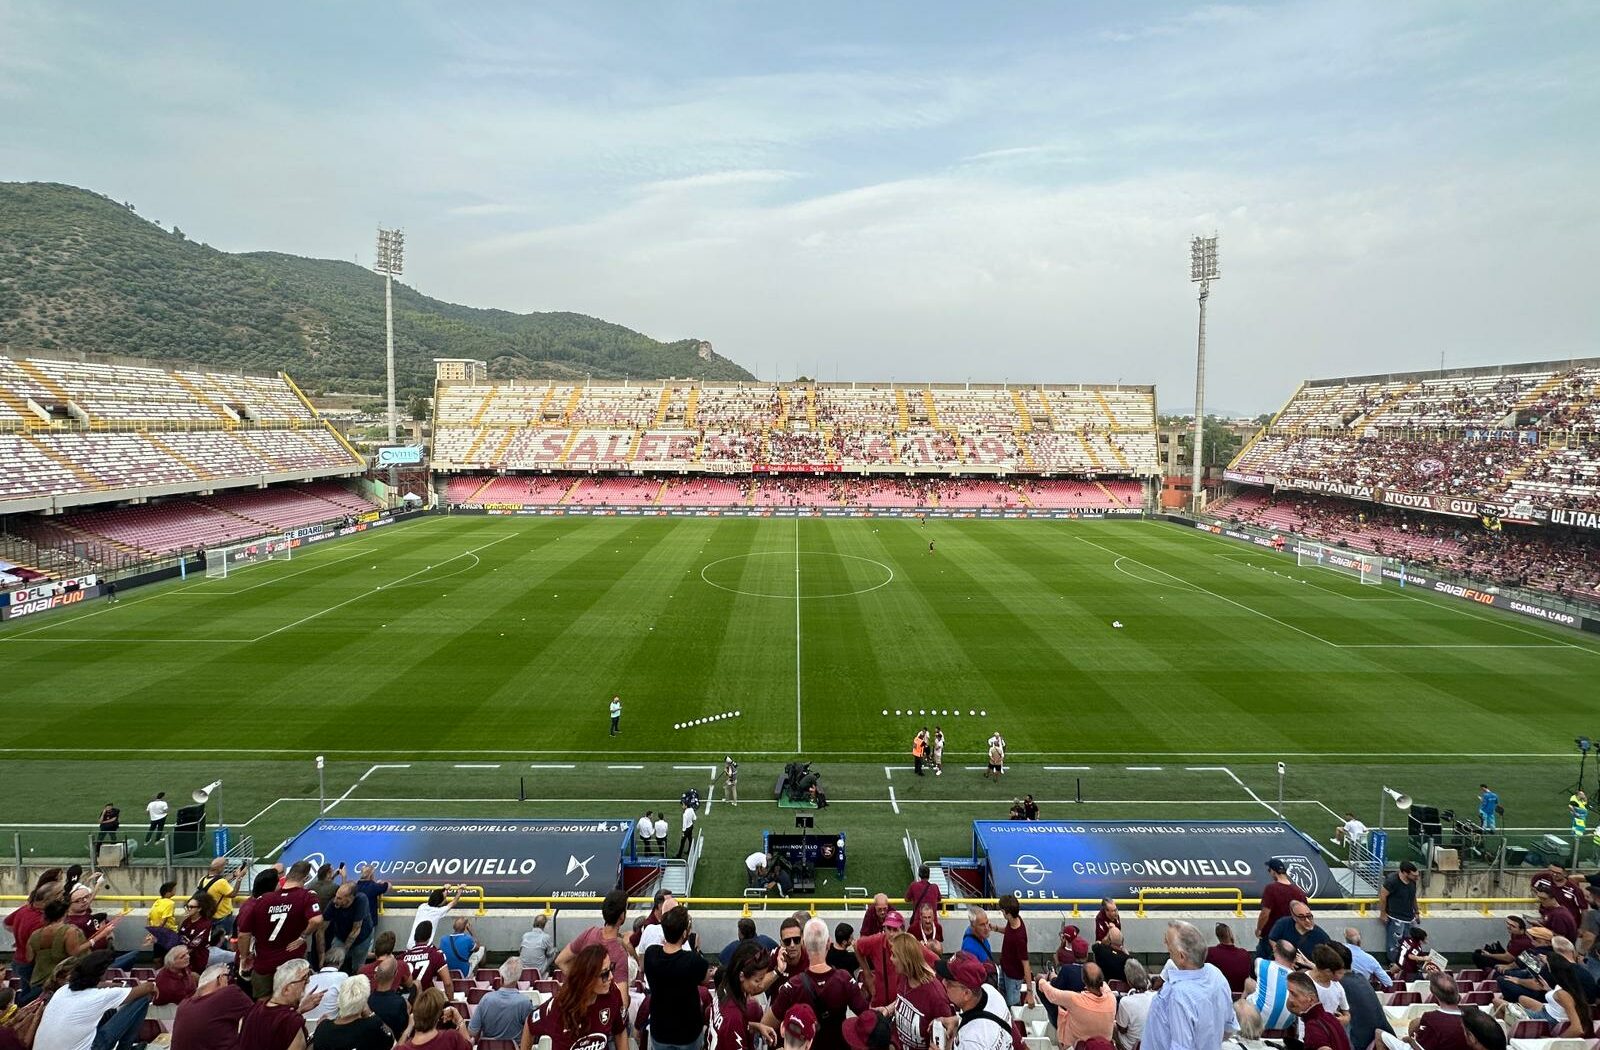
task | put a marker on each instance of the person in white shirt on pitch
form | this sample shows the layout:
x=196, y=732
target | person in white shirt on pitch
x=1351, y=833
x=689, y=817
x=157, y=810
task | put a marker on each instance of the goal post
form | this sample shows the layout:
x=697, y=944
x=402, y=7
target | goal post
x=220, y=561
x=1368, y=568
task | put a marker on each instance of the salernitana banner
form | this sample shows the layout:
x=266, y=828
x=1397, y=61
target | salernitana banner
x=1115, y=858
x=508, y=858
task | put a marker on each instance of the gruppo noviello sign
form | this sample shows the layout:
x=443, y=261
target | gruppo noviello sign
x=1114, y=858
x=518, y=858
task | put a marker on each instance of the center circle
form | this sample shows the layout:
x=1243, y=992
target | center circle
x=803, y=574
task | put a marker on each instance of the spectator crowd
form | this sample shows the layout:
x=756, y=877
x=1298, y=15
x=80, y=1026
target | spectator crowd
x=292, y=961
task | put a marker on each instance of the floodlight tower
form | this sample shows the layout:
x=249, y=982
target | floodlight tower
x=390, y=263
x=1202, y=271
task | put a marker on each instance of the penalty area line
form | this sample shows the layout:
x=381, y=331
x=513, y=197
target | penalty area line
x=367, y=594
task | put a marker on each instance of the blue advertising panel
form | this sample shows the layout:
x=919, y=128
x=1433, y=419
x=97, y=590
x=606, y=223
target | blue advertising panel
x=509, y=858
x=1117, y=858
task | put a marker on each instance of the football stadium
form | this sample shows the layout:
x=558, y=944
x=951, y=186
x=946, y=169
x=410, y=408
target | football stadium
x=381, y=670
x=773, y=574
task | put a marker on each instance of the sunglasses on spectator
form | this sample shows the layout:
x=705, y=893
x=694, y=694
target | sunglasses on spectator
x=791, y=940
x=606, y=973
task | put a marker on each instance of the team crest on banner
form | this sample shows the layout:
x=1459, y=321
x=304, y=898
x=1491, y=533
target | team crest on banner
x=1302, y=873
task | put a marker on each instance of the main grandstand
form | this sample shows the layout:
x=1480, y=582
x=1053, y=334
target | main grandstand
x=674, y=443
x=111, y=464
x=1493, y=473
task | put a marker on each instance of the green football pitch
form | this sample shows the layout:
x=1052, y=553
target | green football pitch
x=448, y=665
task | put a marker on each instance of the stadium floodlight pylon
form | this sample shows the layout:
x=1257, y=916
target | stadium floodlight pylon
x=1202, y=270
x=1368, y=568
x=220, y=561
x=391, y=263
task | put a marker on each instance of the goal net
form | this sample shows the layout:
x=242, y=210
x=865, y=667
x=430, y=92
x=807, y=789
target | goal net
x=220, y=561
x=1368, y=568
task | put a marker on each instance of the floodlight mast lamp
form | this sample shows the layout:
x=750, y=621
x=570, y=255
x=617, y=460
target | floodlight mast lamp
x=391, y=264
x=1202, y=271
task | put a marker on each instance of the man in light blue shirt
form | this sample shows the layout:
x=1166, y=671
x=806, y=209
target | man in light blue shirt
x=1362, y=962
x=503, y=1012
x=975, y=942
x=1194, y=1009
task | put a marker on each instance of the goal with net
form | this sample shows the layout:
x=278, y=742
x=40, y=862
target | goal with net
x=220, y=561
x=1368, y=568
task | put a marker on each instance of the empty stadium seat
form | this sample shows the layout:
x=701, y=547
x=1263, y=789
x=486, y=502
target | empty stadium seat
x=82, y=426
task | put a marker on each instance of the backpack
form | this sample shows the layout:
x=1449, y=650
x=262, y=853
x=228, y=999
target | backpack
x=1003, y=1022
x=826, y=1017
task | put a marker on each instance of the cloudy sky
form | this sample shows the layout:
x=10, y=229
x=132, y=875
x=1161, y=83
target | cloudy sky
x=924, y=190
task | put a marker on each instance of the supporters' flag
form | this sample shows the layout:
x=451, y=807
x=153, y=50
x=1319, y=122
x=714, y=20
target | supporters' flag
x=1492, y=522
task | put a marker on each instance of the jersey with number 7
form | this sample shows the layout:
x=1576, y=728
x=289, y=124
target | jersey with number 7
x=276, y=921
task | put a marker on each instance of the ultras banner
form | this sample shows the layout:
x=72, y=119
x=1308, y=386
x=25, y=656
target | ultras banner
x=515, y=858
x=1115, y=858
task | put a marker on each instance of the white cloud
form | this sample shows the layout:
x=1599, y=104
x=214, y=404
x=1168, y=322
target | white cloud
x=960, y=199
x=955, y=277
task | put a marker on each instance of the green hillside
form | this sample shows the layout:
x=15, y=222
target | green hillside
x=79, y=271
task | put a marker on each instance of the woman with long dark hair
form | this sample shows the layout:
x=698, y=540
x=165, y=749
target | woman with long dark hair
x=737, y=987
x=199, y=920
x=1565, y=1005
x=585, y=1010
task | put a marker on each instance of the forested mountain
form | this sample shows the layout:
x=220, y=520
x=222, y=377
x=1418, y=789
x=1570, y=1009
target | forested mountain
x=81, y=272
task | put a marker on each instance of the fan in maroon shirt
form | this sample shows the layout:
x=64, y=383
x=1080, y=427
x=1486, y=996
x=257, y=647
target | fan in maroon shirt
x=425, y=962
x=923, y=891
x=210, y=1017
x=877, y=963
x=1236, y=964
x=827, y=990
x=275, y=927
x=1276, y=898
x=586, y=1010
x=1554, y=917
x=877, y=916
x=1319, y=1030
x=922, y=998
x=1555, y=881
x=1105, y=918
x=927, y=928
x=737, y=1008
